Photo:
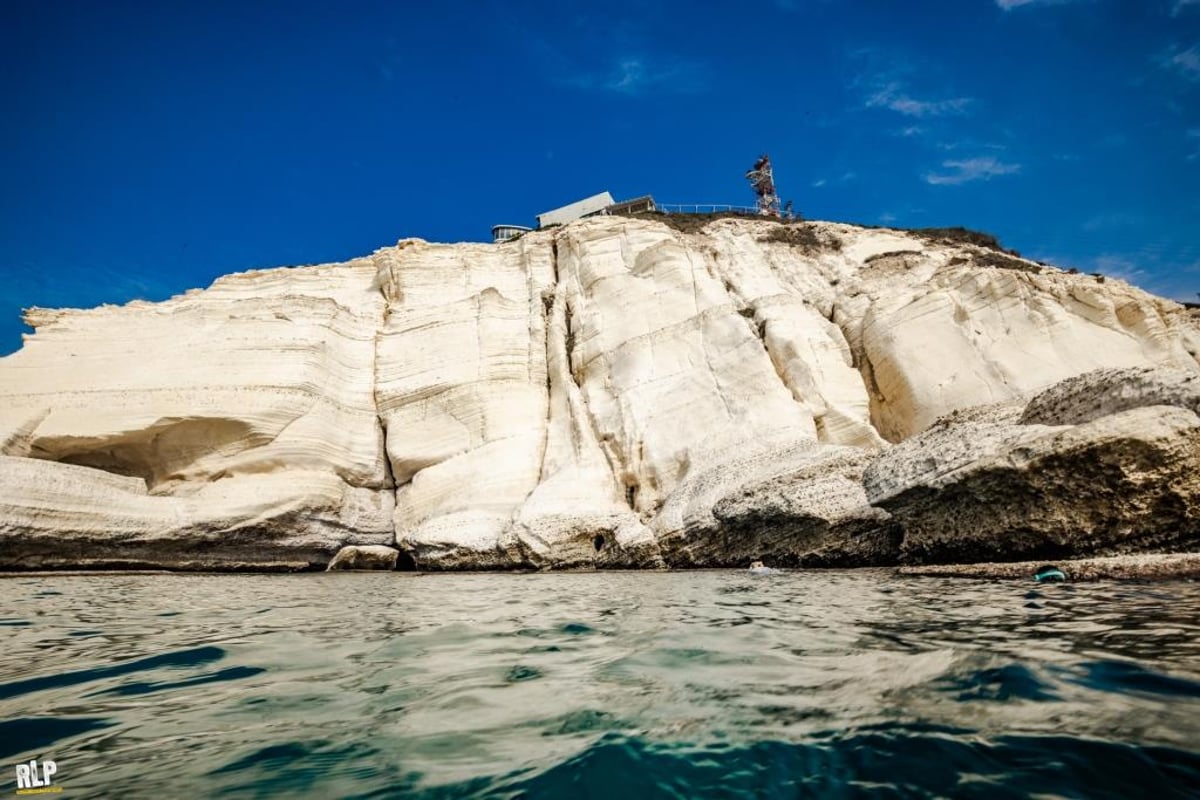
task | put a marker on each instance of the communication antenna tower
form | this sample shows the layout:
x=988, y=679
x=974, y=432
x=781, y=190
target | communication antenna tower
x=762, y=179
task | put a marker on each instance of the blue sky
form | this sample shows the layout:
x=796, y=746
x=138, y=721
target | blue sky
x=150, y=147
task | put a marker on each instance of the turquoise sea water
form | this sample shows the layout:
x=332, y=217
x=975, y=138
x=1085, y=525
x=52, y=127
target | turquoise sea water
x=686, y=685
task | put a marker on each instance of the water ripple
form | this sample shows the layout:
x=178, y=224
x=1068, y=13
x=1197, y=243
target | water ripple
x=182, y=658
x=713, y=684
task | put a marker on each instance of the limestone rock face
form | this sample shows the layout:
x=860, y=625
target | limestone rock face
x=262, y=370
x=1107, y=391
x=690, y=530
x=938, y=456
x=461, y=387
x=941, y=332
x=1121, y=483
x=368, y=557
x=56, y=515
x=814, y=515
x=231, y=426
x=612, y=393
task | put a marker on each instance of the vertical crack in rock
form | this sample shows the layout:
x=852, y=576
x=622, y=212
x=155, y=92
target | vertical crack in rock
x=386, y=284
x=554, y=259
x=758, y=327
x=513, y=539
x=544, y=298
x=389, y=477
x=561, y=305
x=749, y=311
x=833, y=313
x=796, y=326
x=547, y=298
x=539, y=309
x=547, y=301
x=861, y=362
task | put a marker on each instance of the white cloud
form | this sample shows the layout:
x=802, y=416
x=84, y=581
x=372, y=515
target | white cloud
x=629, y=76
x=1110, y=220
x=1120, y=267
x=613, y=63
x=1008, y=5
x=637, y=75
x=971, y=169
x=892, y=96
x=1180, y=5
x=1160, y=268
x=1186, y=62
x=845, y=177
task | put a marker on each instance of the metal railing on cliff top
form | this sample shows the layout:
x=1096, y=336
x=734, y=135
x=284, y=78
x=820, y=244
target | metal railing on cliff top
x=703, y=208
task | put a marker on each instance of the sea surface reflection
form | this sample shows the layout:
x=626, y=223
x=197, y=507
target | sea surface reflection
x=688, y=684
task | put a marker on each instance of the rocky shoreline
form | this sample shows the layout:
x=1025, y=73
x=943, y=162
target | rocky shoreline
x=1141, y=567
x=613, y=394
x=1145, y=566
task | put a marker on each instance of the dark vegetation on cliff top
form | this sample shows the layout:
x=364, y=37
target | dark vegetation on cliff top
x=985, y=259
x=799, y=232
x=960, y=235
x=996, y=260
x=802, y=234
x=690, y=223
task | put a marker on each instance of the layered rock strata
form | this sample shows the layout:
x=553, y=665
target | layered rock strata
x=613, y=393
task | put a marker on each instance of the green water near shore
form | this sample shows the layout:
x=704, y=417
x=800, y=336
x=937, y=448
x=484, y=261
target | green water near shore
x=713, y=684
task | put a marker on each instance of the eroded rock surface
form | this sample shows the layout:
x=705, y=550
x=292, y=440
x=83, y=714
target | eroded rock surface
x=231, y=425
x=816, y=515
x=1108, y=391
x=613, y=393
x=366, y=557
x=1153, y=566
x=1122, y=483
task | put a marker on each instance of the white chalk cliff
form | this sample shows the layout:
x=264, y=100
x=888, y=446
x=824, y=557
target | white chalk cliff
x=581, y=396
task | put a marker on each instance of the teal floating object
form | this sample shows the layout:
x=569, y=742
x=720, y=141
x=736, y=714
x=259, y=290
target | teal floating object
x=1049, y=573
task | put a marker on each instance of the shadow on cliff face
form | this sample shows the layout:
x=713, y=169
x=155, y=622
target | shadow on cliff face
x=156, y=453
x=405, y=562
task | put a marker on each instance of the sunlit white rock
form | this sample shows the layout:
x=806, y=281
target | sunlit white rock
x=578, y=397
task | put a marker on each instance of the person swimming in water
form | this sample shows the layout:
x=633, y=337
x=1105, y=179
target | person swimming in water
x=759, y=568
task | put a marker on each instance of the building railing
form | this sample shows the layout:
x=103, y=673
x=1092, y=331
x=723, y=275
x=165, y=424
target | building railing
x=638, y=205
x=704, y=208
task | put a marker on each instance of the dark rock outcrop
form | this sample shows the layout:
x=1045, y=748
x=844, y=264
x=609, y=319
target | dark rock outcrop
x=815, y=516
x=1107, y=391
x=1127, y=482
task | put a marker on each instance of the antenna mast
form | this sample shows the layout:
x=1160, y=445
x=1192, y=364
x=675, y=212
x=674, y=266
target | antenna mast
x=762, y=180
